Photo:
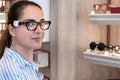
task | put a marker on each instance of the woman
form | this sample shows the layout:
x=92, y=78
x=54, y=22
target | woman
x=24, y=33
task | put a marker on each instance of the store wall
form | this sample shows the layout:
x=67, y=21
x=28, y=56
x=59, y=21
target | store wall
x=115, y=29
x=71, y=33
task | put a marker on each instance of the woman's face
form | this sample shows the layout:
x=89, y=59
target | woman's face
x=25, y=38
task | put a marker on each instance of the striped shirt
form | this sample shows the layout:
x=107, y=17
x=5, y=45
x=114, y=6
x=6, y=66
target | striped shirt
x=14, y=67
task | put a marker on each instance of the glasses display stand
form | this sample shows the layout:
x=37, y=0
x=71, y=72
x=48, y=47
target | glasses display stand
x=104, y=58
x=4, y=7
x=104, y=18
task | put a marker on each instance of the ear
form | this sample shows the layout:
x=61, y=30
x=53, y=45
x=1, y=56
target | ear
x=11, y=30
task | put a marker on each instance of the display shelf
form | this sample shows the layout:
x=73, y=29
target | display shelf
x=102, y=59
x=105, y=18
x=3, y=17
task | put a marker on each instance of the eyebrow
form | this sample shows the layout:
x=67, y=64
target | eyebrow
x=34, y=20
x=42, y=19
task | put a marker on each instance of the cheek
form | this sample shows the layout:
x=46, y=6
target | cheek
x=22, y=34
x=25, y=37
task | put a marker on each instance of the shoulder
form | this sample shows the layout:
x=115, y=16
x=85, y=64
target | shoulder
x=9, y=69
x=8, y=65
x=7, y=62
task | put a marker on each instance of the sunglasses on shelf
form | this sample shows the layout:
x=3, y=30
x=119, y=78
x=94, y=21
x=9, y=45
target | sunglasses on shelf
x=102, y=47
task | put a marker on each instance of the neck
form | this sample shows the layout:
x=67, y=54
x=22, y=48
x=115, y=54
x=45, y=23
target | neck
x=25, y=53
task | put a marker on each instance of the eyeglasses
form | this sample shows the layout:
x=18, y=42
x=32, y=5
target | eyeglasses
x=32, y=25
x=100, y=7
x=101, y=46
x=115, y=48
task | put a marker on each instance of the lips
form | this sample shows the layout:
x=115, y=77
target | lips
x=37, y=39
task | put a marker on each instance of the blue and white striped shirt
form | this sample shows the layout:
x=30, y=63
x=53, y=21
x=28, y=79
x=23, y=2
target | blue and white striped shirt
x=14, y=67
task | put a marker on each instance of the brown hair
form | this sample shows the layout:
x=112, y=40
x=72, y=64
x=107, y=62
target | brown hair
x=14, y=13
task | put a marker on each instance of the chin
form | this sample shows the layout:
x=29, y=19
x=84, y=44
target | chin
x=38, y=47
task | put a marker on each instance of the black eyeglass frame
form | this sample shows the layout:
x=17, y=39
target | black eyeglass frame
x=18, y=23
x=101, y=46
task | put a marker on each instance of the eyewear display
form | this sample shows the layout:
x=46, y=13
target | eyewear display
x=114, y=47
x=32, y=25
x=100, y=7
x=101, y=47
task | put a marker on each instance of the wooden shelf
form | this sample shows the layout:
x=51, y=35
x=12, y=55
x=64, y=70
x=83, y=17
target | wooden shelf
x=102, y=59
x=105, y=18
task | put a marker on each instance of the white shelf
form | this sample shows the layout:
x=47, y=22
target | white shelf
x=105, y=18
x=3, y=17
x=102, y=59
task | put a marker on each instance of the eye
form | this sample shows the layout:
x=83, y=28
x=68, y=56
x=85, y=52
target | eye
x=30, y=23
x=42, y=23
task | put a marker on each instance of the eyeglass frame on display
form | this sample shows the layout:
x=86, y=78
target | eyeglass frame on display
x=100, y=8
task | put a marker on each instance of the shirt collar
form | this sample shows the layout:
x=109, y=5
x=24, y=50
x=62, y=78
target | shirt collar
x=17, y=58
